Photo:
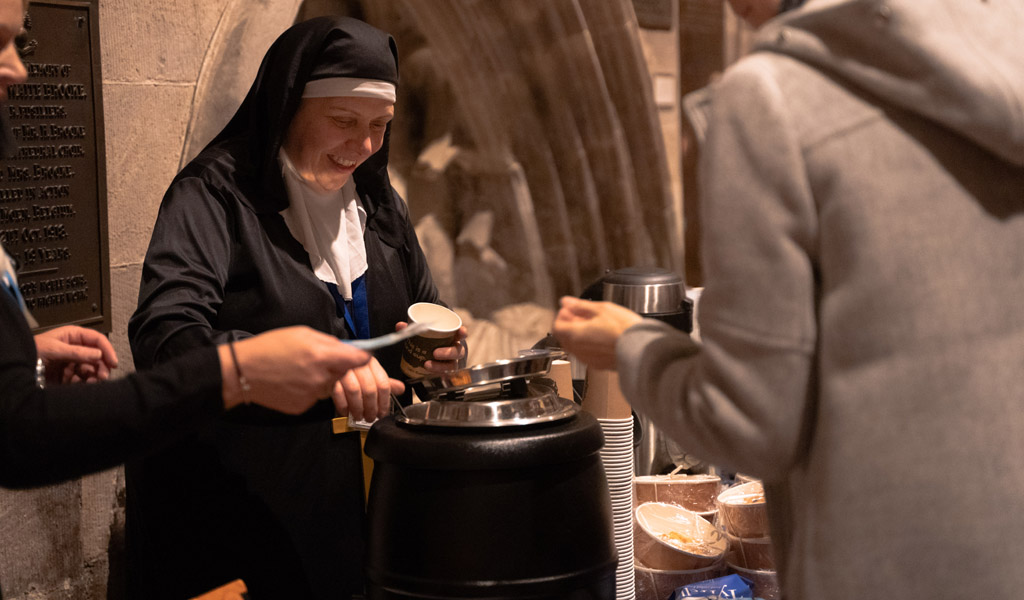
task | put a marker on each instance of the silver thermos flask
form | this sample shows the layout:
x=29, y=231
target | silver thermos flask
x=655, y=293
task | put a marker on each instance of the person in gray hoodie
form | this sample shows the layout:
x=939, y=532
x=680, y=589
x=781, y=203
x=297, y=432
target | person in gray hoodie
x=862, y=329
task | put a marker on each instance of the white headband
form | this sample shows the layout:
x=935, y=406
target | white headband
x=332, y=87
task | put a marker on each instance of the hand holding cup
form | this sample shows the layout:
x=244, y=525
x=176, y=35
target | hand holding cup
x=441, y=342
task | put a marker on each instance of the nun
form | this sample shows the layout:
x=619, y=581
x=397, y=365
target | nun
x=287, y=217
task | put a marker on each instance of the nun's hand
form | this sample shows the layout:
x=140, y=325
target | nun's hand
x=364, y=393
x=448, y=358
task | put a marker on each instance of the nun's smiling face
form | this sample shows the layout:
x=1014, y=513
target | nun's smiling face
x=330, y=137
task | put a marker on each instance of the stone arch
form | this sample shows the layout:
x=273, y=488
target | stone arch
x=243, y=33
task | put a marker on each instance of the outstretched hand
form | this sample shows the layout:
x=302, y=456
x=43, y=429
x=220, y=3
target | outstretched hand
x=72, y=354
x=287, y=369
x=589, y=330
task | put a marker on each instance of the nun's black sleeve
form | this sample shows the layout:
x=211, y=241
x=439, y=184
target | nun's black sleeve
x=184, y=275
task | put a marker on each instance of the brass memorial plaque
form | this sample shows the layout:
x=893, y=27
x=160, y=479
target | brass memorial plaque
x=53, y=218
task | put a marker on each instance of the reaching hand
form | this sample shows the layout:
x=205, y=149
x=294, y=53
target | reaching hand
x=72, y=354
x=590, y=330
x=288, y=369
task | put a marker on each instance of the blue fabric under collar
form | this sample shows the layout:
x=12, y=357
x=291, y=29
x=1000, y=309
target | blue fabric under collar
x=356, y=311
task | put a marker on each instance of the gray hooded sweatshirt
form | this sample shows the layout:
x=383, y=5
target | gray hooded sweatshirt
x=862, y=323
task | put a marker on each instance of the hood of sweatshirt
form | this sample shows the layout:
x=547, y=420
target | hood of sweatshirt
x=956, y=62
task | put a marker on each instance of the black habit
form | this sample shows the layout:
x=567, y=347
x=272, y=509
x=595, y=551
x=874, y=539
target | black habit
x=272, y=499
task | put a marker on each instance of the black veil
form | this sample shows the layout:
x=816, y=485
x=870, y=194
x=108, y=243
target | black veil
x=315, y=49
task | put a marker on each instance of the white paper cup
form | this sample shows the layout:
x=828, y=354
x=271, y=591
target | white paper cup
x=417, y=350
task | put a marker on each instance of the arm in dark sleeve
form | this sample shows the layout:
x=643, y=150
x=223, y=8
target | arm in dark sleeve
x=63, y=432
x=183, y=276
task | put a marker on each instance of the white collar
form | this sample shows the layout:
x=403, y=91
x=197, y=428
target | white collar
x=329, y=226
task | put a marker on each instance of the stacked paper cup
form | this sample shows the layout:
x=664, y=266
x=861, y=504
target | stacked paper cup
x=617, y=456
x=605, y=401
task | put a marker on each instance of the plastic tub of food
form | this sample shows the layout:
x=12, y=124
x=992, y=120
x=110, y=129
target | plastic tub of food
x=752, y=553
x=742, y=510
x=672, y=538
x=693, y=492
x=657, y=584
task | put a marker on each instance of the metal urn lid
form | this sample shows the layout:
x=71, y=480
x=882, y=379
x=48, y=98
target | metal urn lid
x=508, y=392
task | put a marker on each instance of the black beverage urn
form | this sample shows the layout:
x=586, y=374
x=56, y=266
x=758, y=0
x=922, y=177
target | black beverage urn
x=491, y=488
